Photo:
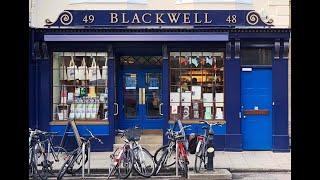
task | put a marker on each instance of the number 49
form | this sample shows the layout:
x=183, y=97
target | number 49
x=232, y=19
x=88, y=19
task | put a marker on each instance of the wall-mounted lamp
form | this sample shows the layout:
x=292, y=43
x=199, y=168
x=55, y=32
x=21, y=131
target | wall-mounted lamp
x=285, y=50
x=44, y=49
x=36, y=50
x=228, y=50
x=237, y=50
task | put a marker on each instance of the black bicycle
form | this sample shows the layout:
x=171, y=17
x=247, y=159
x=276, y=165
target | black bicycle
x=74, y=160
x=202, y=146
x=131, y=154
x=165, y=156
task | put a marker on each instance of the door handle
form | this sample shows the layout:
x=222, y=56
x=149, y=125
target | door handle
x=160, y=109
x=140, y=95
x=143, y=95
x=116, y=109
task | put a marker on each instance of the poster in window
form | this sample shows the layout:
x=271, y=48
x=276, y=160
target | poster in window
x=186, y=112
x=130, y=82
x=154, y=83
x=207, y=99
x=186, y=99
x=174, y=99
x=196, y=92
x=219, y=99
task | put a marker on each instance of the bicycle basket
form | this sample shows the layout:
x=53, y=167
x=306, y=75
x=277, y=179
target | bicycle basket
x=133, y=134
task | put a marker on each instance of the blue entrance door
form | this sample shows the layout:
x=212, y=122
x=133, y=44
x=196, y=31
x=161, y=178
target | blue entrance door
x=256, y=99
x=140, y=98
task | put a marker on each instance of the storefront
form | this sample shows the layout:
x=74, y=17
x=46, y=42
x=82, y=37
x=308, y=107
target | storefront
x=116, y=69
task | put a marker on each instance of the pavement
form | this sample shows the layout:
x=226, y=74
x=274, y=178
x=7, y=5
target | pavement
x=245, y=161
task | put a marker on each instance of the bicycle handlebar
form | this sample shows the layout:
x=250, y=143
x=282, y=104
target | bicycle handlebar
x=93, y=137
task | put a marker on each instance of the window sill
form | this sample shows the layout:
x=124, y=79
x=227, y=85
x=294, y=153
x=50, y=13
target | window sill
x=80, y=122
x=191, y=121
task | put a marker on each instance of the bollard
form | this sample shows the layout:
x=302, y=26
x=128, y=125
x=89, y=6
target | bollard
x=210, y=153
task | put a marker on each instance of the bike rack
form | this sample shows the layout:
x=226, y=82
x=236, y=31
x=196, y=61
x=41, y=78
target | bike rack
x=177, y=152
x=83, y=154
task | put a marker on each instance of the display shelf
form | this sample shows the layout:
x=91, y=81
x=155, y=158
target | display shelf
x=81, y=122
x=193, y=121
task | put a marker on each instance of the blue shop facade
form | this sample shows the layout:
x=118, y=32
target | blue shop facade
x=113, y=70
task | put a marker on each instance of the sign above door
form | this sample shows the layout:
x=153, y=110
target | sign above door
x=158, y=18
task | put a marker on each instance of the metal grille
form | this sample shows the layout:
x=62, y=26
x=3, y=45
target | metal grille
x=141, y=60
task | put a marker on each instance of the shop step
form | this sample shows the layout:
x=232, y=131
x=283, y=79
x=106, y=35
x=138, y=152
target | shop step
x=150, y=147
x=147, y=137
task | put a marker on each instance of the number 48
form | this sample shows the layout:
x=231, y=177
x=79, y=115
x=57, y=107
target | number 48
x=232, y=19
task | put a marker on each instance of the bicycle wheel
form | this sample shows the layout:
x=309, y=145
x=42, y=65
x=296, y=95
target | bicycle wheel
x=76, y=164
x=199, y=158
x=160, y=162
x=143, y=162
x=183, y=165
x=125, y=164
x=66, y=165
x=41, y=162
x=171, y=157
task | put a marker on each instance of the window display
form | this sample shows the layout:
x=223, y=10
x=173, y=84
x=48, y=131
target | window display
x=196, y=85
x=80, y=86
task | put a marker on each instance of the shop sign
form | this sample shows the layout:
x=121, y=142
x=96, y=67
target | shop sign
x=120, y=18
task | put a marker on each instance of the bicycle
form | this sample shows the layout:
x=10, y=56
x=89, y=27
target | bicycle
x=131, y=155
x=37, y=153
x=201, y=149
x=74, y=160
x=167, y=152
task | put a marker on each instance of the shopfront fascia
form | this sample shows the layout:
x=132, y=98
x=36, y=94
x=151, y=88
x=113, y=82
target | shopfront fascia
x=108, y=45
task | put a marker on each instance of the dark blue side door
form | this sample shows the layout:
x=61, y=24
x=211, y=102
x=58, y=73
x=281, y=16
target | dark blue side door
x=140, y=98
x=256, y=106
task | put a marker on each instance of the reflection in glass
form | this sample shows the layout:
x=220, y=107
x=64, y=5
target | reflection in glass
x=153, y=95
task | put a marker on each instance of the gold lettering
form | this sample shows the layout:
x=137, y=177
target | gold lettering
x=114, y=17
x=206, y=19
x=186, y=18
x=144, y=20
x=124, y=19
x=196, y=19
x=173, y=17
x=159, y=18
x=135, y=18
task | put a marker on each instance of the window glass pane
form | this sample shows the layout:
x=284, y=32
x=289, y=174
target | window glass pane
x=201, y=79
x=79, y=89
x=256, y=56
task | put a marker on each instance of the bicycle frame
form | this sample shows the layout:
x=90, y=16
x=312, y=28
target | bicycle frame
x=182, y=151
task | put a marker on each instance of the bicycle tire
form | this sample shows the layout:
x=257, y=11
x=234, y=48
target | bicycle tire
x=160, y=163
x=66, y=165
x=199, y=158
x=42, y=168
x=137, y=163
x=163, y=149
x=77, y=160
x=128, y=169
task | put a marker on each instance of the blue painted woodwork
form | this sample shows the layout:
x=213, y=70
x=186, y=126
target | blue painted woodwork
x=256, y=92
x=280, y=108
x=124, y=18
x=141, y=118
x=111, y=96
x=232, y=102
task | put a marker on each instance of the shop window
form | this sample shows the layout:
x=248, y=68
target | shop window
x=197, y=85
x=80, y=86
x=256, y=56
